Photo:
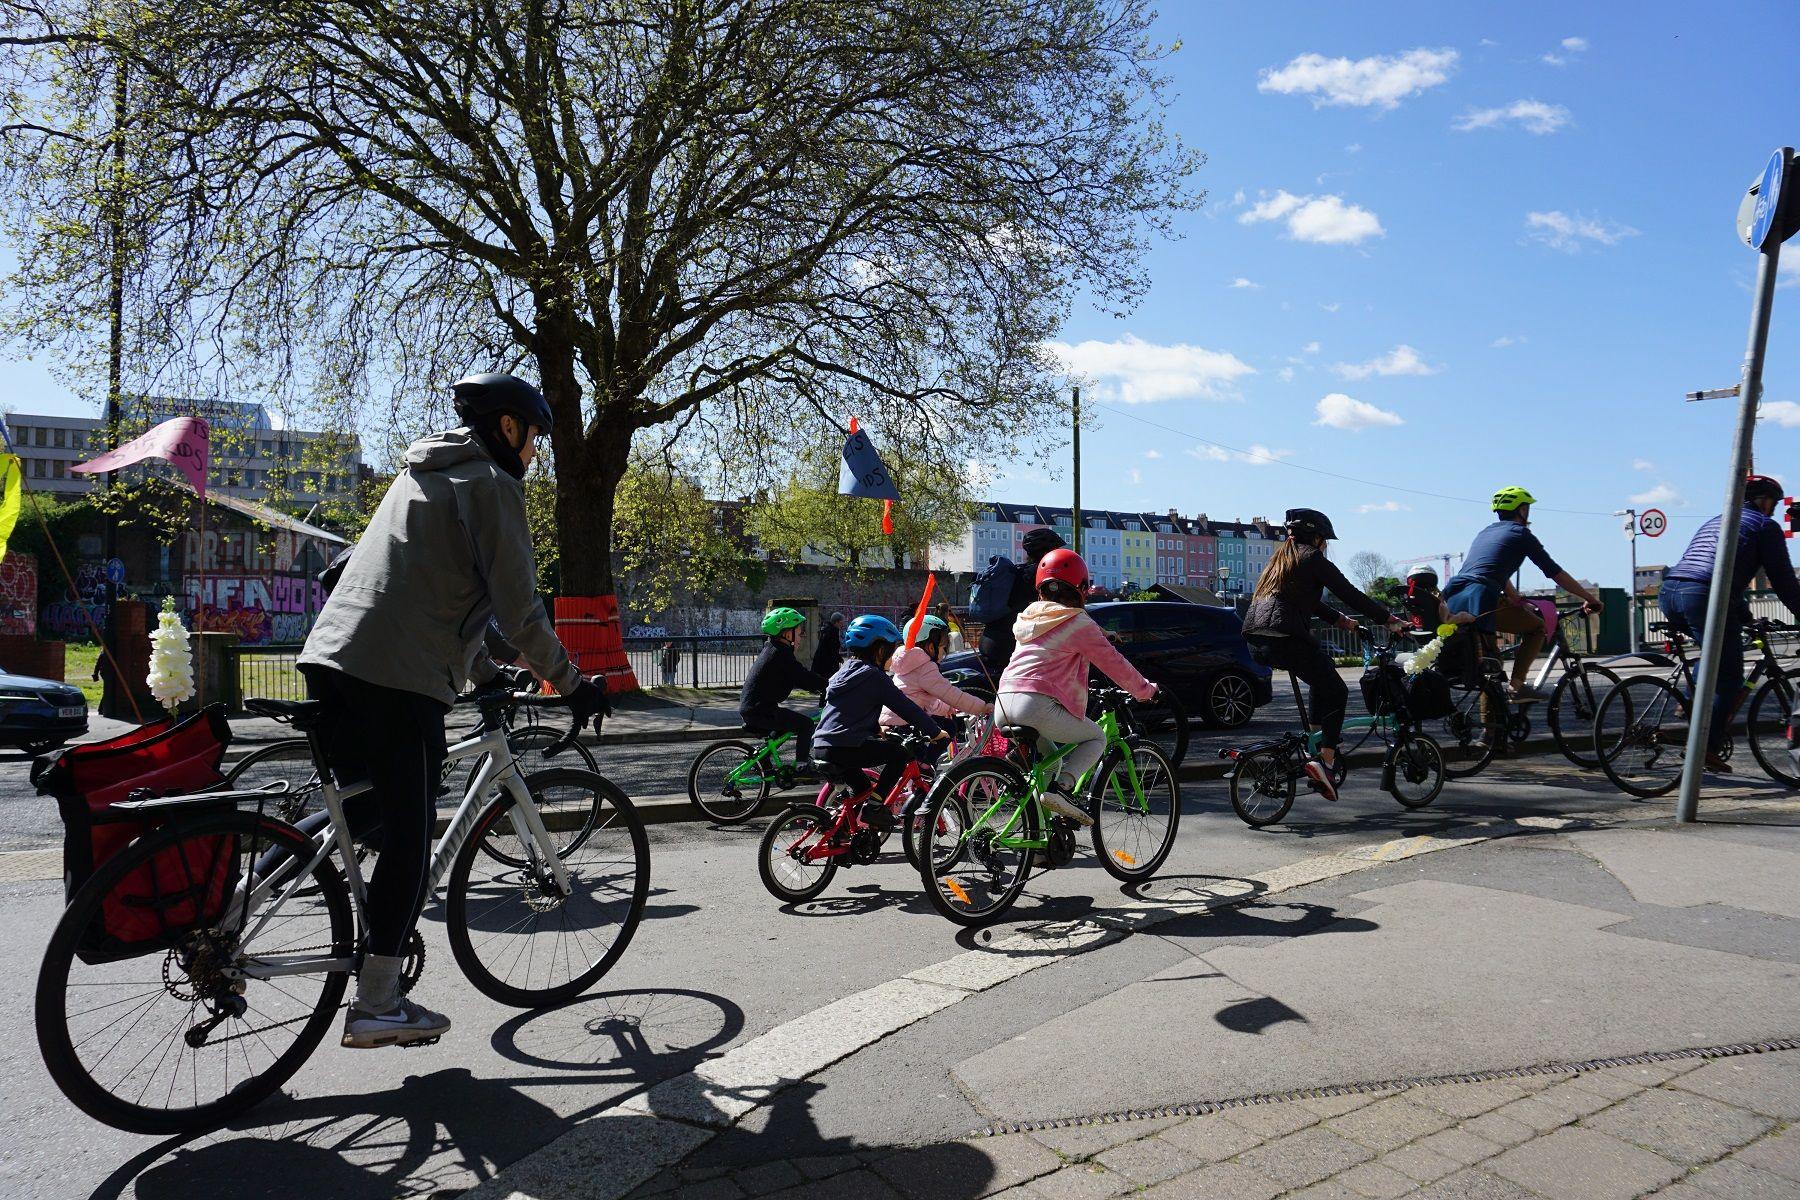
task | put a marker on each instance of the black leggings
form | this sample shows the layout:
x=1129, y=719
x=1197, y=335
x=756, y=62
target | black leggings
x=889, y=755
x=772, y=718
x=395, y=739
x=1311, y=664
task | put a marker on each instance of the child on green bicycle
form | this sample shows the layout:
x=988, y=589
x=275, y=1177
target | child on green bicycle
x=772, y=678
x=849, y=727
x=1044, y=685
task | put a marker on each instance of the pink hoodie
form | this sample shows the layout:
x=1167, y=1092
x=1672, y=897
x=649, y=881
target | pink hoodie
x=1057, y=644
x=919, y=679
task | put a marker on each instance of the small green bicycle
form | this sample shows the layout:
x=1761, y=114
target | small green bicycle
x=730, y=780
x=974, y=870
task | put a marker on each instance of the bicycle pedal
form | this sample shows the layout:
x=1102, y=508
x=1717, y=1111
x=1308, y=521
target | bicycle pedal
x=413, y=1045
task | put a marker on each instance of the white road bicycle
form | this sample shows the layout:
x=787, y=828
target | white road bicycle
x=212, y=1019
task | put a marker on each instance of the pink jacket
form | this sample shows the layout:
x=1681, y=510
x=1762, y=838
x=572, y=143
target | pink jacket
x=1057, y=644
x=919, y=679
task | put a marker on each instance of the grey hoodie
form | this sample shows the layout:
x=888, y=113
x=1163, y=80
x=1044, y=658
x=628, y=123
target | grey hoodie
x=447, y=548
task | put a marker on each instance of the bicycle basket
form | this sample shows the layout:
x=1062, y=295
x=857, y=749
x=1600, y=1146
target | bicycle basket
x=1428, y=696
x=1384, y=689
x=182, y=889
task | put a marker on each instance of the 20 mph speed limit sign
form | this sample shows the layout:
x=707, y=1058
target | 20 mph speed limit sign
x=1652, y=523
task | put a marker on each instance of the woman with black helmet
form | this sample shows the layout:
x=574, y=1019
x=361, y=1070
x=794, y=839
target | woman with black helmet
x=1278, y=626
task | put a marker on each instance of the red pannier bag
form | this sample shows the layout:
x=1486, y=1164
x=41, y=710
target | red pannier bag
x=184, y=888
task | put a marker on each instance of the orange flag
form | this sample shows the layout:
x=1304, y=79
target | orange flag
x=913, y=626
x=887, y=518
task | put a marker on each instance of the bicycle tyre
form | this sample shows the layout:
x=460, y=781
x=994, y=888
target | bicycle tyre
x=580, y=816
x=953, y=816
x=811, y=818
x=1640, y=733
x=1765, y=729
x=1268, y=779
x=61, y=1052
x=1178, y=721
x=1416, y=754
x=1121, y=854
x=289, y=759
x=1574, y=702
x=999, y=789
x=601, y=870
x=1464, y=729
x=724, y=804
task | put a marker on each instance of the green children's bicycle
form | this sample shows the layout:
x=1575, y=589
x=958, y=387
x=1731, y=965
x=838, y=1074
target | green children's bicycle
x=731, y=780
x=973, y=871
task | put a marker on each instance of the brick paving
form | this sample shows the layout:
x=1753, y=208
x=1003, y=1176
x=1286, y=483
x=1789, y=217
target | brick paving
x=1691, y=1129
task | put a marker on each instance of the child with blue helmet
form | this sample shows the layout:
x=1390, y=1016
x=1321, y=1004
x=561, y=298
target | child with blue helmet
x=849, y=727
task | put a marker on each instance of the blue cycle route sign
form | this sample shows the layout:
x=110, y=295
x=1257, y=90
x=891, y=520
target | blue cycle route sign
x=1768, y=200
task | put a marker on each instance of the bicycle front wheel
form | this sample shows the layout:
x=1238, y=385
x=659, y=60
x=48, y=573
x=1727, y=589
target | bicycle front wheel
x=1767, y=730
x=1640, y=736
x=1571, y=710
x=1418, y=770
x=168, y=1035
x=288, y=761
x=1262, y=787
x=727, y=782
x=1137, y=808
x=974, y=869
x=515, y=935
x=951, y=820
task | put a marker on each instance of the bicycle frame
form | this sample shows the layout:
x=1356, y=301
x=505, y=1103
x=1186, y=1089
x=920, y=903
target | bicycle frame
x=499, y=770
x=1038, y=780
x=834, y=841
x=769, y=754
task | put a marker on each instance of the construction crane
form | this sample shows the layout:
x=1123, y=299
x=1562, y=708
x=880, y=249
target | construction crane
x=1412, y=560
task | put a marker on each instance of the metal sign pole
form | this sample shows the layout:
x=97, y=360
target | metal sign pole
x=1720, y=598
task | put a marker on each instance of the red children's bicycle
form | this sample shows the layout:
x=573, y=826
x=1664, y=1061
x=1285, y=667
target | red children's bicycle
x=806, y=843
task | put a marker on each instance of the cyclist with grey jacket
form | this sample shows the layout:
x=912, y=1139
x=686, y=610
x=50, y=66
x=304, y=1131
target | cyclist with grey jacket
x=447, y=550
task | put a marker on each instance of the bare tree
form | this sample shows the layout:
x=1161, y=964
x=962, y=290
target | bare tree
x=750, y=218
x=1365, y=567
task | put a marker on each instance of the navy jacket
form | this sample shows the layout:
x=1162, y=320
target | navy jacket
x=775, y=673
x=853, y=702
x=1762, y=546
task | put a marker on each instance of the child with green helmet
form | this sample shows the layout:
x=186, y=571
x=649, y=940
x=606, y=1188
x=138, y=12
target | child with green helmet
x=773, y=677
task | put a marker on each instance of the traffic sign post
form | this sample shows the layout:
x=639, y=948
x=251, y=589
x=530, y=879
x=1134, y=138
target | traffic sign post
x=1773, y=211
x=1652, y=523
x=1632, y=521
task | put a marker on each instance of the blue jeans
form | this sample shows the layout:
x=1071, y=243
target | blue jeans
x=1684, y=604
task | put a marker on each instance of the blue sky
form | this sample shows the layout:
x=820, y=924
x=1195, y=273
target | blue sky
x=1388, y=267
x=1376, y=216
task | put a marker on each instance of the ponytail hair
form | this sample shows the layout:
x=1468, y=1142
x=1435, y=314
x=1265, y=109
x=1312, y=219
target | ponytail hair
x=1281, y=565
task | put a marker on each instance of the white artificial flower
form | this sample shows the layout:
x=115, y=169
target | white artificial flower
x=171, y=661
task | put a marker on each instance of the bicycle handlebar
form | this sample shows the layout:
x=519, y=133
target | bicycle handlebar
x=500, y=697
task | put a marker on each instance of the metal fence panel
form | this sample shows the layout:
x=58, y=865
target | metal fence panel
x=264, y=671
x=702, y=662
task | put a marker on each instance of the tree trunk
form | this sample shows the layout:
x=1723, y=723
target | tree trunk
x=587, y=478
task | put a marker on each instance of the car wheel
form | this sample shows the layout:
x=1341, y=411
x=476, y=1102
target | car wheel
x=1230, y=701
x=44, y=747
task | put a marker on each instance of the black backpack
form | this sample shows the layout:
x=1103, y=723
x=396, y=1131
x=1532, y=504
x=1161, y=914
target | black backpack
x=991, y=600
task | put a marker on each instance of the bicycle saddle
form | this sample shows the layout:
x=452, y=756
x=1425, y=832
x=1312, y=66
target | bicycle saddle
x=1019, y=733
x=298, y=713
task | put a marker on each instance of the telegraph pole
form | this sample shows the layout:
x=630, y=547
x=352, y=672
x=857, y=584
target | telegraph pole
x=1075, y=509
x=1631, y=532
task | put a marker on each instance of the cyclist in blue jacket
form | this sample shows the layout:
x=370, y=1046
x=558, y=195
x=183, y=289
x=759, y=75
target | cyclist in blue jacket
x=1762, y=546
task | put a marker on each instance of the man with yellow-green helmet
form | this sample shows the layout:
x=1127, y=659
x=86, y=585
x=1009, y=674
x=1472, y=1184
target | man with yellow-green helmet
x=1483, y=587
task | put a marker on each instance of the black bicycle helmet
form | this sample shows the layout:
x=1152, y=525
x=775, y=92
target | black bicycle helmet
x=1309, y=523
x=1762, y=487
x=482, y=397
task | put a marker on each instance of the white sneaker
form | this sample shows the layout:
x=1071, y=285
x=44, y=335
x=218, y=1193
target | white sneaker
x=1062, y=804
x=406, y=1024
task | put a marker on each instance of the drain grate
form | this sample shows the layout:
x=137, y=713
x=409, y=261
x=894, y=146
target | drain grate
x=1406, y=1083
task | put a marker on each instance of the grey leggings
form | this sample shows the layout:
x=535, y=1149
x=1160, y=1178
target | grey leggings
x=1055, y=724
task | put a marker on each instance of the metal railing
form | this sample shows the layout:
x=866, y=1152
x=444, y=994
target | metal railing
x=702, y=662
x=266, y=671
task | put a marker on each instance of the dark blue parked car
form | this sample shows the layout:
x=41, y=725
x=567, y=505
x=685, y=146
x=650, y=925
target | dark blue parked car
x=1195, y=650
x=39, y=714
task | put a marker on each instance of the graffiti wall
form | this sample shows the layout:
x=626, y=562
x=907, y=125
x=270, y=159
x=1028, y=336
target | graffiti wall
x=18, y=594
x=252, y=584
x=75, y=619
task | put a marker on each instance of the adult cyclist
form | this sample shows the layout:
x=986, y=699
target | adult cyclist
x=1762, y=546
x=401, y=633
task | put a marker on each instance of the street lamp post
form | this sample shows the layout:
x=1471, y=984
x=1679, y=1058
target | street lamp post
x=1631, y=532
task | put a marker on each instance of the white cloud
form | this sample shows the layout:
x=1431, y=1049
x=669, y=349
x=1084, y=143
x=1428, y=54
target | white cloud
x=1535, y=115
x=1788, y=273
x=1153, y=454
x=1258, y=455
x=1784, y=413
x=1338, y=411
x=1662, y=493
x=1401, y=360
x=1384, y=506
x=1286, y=374
x=1378, y=81
x=1326, y=220
x=1241, y=282
x=1642, y=464
x=1133, y=371
x=1238, y=199
x=1136, y=475
x=1332, y=307
x=1505, y=340
x=1353, y=148
x=1562, y=231
x=1488, y=42
x=1310, y=348
x=1574, y=45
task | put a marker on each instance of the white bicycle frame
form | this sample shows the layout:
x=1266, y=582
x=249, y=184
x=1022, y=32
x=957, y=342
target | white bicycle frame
x=499, y=770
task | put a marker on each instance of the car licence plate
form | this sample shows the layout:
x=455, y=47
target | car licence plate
x=72, y=710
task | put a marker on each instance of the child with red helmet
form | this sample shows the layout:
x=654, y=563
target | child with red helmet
x=1044, y=685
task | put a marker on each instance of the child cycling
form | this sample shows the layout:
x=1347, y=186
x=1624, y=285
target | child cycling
x=1044, y=685
x=916, y=674
x=772, y=678
x=1425, y=605
x=1278, y=628
x=849, y=727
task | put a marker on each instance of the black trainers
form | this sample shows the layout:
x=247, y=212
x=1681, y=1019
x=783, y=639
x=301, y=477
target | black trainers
x=406, y=1024
x=1058, y=800
x=877, y=816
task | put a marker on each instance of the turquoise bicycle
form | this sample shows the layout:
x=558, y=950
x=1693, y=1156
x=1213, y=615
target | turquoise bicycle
x=974, y=868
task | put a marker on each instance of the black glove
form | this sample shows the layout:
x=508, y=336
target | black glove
x=517, y=679
x=586, y=700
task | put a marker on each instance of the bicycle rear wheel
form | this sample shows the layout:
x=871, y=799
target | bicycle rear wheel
x=1262, y=787
x=288, y=761
x=1463, y=729
x=978, y=878
x=1767, y=730
x=1574, y=702
x=788, y=858
x=517, y=939
x=119, y=1036
x=725, y=784
x=1137, y=809
x=1640, y=735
